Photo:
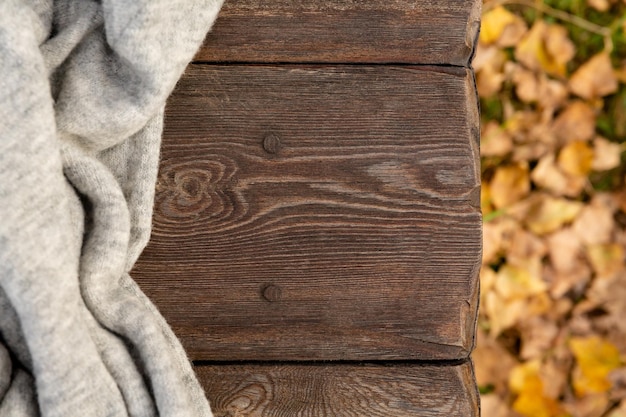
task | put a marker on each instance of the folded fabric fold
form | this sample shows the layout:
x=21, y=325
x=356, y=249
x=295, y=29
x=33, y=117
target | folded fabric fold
x=83, y=85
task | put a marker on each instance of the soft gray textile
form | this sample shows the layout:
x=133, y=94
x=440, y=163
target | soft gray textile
x=82, y=89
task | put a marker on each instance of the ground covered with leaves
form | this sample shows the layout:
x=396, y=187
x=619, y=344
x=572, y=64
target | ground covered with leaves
x=551, y=76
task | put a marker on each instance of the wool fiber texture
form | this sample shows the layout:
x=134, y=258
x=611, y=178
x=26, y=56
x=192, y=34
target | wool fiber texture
x=83, y=85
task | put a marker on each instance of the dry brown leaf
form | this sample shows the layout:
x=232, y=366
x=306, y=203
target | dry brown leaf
x=619, y=199
x=549, y=177
x=561, y=308
x=576, y=122
x=492, y=242
x=501, y=27
x=509, y=184
x=526, y=85
x=566, y=250
x=539, y=305
x=588, y=406
x=545, y=47
x=576, y=158
x=547, y=214
x=609, y=293
x=489, y=63
x=537, y=334
x=620, y=411
x=617, y=378
x=495, y=141
x=492, y=363
x=573, y=282
x=606, y=154
x=555, y=373
x=558, y=44
x=485, y=55
x=502, y=313
x=487, y=282
x=595, y=78
x=489, y=81
x=552, y=93
x=599, y=5
x=493, y=406
x=523, y=246
x=606, y=259
x=532, y=87
x=580, y=324
x=530, y=151
x=595, y=223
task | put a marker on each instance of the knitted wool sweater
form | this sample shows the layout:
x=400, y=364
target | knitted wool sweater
x=83, y=84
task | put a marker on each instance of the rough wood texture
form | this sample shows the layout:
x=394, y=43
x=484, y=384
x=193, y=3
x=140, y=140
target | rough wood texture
x=344, y=31
x=340, y=390
x=318, y=213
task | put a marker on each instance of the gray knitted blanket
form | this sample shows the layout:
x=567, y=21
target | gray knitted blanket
x=83, y=84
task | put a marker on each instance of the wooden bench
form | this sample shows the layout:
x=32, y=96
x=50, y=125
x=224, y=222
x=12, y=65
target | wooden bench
x=317, y=231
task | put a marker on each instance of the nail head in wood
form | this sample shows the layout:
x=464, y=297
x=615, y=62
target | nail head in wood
x=271, y=143
x=271, y=293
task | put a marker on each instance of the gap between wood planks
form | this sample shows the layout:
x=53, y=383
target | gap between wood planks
x=326, y=64
x=384, y=363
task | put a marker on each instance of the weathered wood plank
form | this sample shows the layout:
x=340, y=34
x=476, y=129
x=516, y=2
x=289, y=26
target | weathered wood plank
x=318, y=213
x=340, y=390
x=344, y=31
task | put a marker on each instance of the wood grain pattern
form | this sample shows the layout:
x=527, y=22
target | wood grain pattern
x=318, y=213
x=344, y=31
x=340, y=390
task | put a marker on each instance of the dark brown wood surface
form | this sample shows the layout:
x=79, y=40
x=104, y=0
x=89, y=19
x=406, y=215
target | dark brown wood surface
x=318, y=212
x=344, y=31
x=340, y=390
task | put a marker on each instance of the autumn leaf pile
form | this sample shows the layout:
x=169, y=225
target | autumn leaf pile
x=551, y=77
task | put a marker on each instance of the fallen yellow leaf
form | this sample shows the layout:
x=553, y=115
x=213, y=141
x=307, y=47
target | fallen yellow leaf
x=545, y=48
x=596, y=358
x=518, y=282
x=485, y=198
x=606, y=259
x=501, y=27
x=595, y=78
x=509, y=184
x=576, y=158
x=531, y=400
x=548, y=214
x=502, y=313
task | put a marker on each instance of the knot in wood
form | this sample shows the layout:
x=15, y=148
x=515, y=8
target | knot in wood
x=271, y=293
x=271, y=143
